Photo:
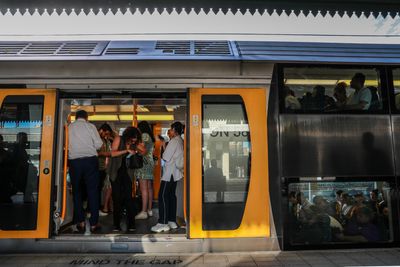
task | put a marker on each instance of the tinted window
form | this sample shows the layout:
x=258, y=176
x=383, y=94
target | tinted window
x=339, y=212
x=396, y=83
x=226, y=161
x=20, y=143
x=315, y=89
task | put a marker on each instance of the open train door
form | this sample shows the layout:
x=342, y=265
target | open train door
x=26, y=161
x=228, y=164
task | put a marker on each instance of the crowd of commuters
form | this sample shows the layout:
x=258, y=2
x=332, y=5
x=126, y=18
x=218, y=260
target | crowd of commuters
x=99, y=166
x=349, y=218
x=362, y=98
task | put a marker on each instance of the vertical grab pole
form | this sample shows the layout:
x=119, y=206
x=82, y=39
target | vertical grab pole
x=64, y=200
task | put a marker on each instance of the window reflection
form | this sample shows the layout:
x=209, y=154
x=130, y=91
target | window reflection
x=226, y=161
x=20, y=140
x=322, y=89
x=339, y=212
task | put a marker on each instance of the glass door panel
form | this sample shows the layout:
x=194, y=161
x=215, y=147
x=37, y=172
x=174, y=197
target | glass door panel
x=229, y=167
x=26, y=141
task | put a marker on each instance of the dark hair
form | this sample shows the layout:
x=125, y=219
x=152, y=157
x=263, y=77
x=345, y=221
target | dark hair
x=359, y=77
x=131, y=132
x=1, y=138
x=178, y=127
x=339, y=192
x=106, y=127
x=292, y=194
x=81, y=114
x=144, y=127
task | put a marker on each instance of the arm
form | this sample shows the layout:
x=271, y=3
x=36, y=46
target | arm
x=141, y=149
x=169, y=150
x=98, y=143
x=115, y=146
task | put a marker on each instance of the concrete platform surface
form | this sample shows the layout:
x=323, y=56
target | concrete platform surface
x=326, y=258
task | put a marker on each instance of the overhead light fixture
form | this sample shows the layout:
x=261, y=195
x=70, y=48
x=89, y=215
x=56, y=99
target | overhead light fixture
x=141, y=108
x=147, y=117
x=325, y=82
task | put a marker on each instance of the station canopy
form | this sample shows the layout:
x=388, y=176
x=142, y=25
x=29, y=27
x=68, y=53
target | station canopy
x=367, y=7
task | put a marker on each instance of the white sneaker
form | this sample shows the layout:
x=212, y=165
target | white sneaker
x=150, y=213
x=173, y=225
x=159, y=227
x=102, y=213
x=141, y=216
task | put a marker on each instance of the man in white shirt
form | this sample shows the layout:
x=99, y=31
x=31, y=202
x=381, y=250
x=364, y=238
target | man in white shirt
x=84, y=141
x=361, y=98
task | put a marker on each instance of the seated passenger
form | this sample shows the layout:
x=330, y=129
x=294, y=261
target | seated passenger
x=361, y=98
x=397, y=101
x=291, y=102
x=315, y=227
x=375, y=102
x=362, y=229
x=318, y=100
x=340, y=95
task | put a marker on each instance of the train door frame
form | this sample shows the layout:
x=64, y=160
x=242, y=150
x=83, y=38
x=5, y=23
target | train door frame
x=256, y=218
x=46, y=168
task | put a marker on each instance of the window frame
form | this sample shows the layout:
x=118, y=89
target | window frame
x=385, y=82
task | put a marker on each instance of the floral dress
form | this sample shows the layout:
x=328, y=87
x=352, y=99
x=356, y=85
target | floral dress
x=146, y=173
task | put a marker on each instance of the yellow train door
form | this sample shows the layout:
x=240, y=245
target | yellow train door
x=228, y=170
x=26, y=160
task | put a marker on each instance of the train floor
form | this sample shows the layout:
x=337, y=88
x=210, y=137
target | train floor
x=143, y=226
x=325, y=258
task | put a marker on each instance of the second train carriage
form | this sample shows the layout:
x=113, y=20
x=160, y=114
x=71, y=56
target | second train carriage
x=274, y=160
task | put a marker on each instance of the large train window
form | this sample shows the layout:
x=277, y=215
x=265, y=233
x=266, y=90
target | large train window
x=339, y=211
x=226, y=161
x=20, y=143
x=396, y=83
x=322, y=89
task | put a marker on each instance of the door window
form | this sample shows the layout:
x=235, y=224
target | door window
x=20, y=143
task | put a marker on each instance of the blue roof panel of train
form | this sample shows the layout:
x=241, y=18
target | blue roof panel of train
x=201, y=51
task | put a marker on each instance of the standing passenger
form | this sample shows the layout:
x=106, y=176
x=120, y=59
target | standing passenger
x=122, y=178
x=145, y=174
x=83, y=165
x=106, y=134
x=166, y=197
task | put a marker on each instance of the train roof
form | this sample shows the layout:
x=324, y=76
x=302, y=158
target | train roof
x=305, y=52
x=385, y=7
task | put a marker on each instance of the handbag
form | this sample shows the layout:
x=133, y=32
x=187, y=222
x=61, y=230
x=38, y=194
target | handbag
x=134, y=161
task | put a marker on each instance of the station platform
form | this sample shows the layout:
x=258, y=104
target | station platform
x=326, y=258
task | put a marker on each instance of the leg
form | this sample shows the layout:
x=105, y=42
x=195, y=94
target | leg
x=172, y=201
x=76, y=172
x=107, y=199
x=161, y=203
x=150, y=194
x=144, y=192
x=102, y=177
x=117, y=201
x=129, y=202
x=92, y=185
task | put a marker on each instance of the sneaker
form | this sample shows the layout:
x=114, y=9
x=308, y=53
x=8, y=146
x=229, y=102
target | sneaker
x=102, y=213
x=172, y=225
x=117, y=229
x=150, y=213
x=159, y=227
x=131, y=229
x=95, y=229
x=141, y=216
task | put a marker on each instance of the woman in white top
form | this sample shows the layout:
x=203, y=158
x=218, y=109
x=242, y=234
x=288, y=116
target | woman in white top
x=173, y=172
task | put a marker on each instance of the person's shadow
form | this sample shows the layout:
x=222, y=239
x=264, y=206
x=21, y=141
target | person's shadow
x=375, y=160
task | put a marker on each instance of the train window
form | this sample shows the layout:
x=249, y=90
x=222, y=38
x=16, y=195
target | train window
x=339, y=212
x=20, y=142
x=316, y=89
x=396, y=83
x=226, y=161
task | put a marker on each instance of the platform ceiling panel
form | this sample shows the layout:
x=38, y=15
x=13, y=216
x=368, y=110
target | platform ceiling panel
x=386, y=7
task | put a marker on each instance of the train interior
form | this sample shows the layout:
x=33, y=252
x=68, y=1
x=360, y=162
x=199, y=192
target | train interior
x=119, y=114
